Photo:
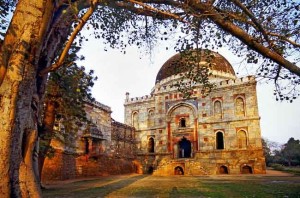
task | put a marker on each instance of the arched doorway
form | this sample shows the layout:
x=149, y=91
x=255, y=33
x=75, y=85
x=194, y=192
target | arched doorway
x=178, y=170
x=223, y=170
x=246, y=170
x=150, y=170
x=185, y=148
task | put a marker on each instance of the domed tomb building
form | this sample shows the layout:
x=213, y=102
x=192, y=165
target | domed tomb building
x=205, y=134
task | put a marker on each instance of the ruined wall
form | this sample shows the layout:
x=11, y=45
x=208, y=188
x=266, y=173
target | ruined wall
x=104, y=166
x=107, y=147
x=60, y=167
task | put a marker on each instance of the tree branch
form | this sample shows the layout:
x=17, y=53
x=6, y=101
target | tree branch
x=252, y=17
x=285, y=39
x=149, y=11
x=65, y=51
x=243, y=36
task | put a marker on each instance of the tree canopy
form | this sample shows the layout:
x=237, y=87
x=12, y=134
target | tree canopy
x=287, y=154
x=67, y=91
x=265, y=33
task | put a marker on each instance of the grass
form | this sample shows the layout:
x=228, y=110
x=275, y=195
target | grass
x=180, y=186
x=289, y=169
x=293, y=170
x=252, y=189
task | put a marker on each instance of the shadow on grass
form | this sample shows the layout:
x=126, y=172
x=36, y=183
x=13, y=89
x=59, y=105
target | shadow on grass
x=95, y=188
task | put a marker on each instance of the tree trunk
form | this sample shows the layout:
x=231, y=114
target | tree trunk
x=46, y=133
x=56, y=37
x=19, y=99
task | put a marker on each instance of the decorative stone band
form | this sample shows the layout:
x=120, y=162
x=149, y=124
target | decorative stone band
x=160, y=88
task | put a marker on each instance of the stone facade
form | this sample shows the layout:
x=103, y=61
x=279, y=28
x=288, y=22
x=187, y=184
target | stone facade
x=100, y=147
x=122, y=141
x=206, y=134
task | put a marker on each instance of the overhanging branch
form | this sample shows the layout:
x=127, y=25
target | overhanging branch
x=65, y=51
x=243, y=36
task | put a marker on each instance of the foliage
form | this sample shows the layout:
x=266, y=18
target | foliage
x=287, y=154
x=251, y=29
x=291, y=169
x=270, y=148
x=6, y=7
x=195, y=72
x=68, y=87
x=291, y=152
x=264, y=33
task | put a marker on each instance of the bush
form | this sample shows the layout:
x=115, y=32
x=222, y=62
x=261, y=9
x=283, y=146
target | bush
x=279, y=167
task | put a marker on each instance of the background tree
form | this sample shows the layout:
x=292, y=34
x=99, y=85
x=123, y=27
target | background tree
x=267, y=151
x=38, y=29
x=291, y=152
x=270, y=149
x=286, y=154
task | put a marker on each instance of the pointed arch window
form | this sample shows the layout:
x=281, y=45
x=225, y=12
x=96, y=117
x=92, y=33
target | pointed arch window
x=242, y=139
x=218, y=109
x=135, y=120
x=150, y=118
x=219, y=140
x=239, y=106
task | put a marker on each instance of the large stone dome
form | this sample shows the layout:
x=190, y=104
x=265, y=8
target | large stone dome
x=175, y=64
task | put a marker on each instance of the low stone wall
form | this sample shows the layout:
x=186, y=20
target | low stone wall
x=67, y=166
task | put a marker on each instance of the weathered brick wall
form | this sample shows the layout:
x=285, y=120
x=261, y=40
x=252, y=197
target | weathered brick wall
x=65, y=166
x=103, y=166
x=62, y=166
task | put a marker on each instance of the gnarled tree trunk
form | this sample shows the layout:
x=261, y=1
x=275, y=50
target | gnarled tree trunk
x=19, y=99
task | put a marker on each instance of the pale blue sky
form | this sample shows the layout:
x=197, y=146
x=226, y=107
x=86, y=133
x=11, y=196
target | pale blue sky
x=135, y=73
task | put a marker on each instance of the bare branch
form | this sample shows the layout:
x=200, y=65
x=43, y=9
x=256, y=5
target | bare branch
x=284, y=38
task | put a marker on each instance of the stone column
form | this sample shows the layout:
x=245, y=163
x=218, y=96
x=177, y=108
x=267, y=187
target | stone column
x=169, y=137
x=196, y=134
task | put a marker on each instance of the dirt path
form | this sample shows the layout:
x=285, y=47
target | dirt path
x=278, y=173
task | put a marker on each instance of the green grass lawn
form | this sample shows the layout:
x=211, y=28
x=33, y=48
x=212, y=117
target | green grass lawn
x=252, y=189
x=294, y=170
x=179, y=186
